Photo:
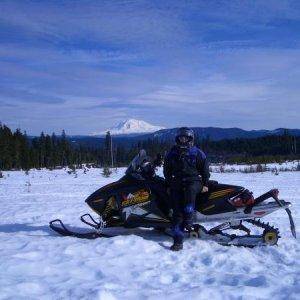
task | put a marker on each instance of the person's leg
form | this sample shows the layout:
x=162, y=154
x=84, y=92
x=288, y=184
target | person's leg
x=191, y=191
x=177, y=218
x=162, y=198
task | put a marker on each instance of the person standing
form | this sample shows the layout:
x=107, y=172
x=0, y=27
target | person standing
x=186, y=171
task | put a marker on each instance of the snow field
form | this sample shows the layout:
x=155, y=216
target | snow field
x=243, y=168
x=36, y=263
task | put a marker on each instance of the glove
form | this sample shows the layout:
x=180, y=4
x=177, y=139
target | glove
x=204, y=189
x=168, y=191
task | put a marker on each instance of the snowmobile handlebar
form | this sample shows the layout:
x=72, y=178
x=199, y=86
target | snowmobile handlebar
x=158, y=161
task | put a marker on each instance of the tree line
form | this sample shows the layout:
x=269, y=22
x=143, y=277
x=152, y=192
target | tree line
x=18, y=151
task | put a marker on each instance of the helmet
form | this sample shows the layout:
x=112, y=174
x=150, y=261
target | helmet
x=184, y=137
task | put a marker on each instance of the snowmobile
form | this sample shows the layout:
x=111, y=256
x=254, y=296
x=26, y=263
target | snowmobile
x=140, y=199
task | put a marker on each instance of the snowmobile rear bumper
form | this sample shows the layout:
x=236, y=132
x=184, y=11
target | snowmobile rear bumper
x=272, y=206
x=281, y=203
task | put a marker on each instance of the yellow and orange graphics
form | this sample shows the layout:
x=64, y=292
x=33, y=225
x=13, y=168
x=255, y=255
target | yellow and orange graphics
x=111, y=204
x=220, y=193
x=135, y=198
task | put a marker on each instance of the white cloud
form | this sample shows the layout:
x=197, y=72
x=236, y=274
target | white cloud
x=206, y=62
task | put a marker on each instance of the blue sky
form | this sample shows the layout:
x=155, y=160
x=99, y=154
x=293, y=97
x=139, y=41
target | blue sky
x=86, y=65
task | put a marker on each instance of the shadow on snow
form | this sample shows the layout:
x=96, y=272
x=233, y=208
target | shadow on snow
x=148, y=234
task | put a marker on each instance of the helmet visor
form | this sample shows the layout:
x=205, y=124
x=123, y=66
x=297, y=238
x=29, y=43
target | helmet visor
x=183, y=139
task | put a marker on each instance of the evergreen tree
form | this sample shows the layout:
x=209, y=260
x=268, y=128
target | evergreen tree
x=108, y=158
x=6, y=148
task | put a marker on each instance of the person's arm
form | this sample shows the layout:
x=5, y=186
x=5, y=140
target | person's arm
x=203, y=168
x=167, y=170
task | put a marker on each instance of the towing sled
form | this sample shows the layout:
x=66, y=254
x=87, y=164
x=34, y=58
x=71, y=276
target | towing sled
x=140, y=199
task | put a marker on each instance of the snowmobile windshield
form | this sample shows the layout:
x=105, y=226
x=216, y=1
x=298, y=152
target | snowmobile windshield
x=135, y=165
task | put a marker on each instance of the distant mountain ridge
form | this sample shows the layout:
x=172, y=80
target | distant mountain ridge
x=213, y=133
x=140, y=129
x=216, y=133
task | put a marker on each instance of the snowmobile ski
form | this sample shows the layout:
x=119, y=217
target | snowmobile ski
x=59, y=227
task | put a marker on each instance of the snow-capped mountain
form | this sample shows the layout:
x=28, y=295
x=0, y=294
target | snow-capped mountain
x=132, y=126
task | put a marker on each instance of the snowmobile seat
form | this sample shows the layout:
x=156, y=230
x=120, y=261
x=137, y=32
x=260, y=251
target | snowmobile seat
x=216, y=199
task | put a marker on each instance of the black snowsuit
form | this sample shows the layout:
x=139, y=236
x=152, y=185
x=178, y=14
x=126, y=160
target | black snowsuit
x=186, y=171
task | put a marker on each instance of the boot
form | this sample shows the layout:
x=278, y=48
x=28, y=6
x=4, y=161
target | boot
x=178, y=237
x=177, y=246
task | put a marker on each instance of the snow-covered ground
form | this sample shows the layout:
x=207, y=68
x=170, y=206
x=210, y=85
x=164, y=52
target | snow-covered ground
x=246, y=168
x=36, y=263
